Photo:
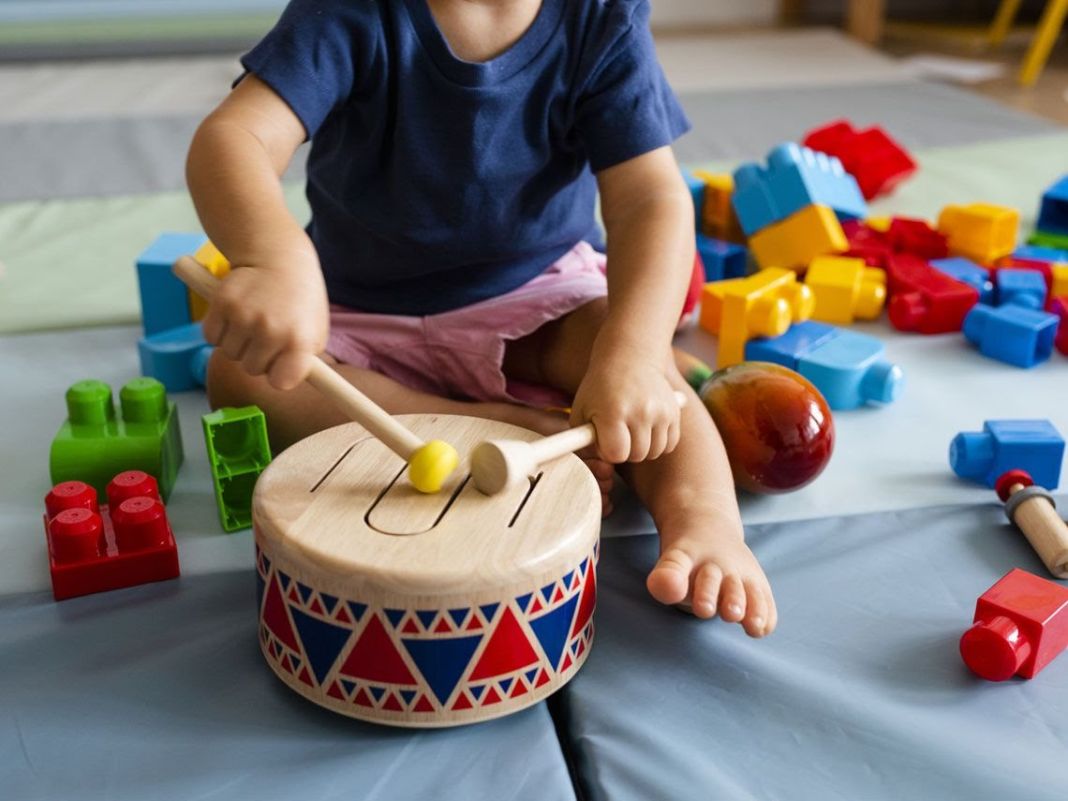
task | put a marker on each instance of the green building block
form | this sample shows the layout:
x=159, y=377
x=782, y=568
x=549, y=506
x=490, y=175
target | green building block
x=238, y=452
x=1048, y=240
x=94, y=445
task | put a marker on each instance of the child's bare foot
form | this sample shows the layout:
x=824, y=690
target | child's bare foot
x=712, y=573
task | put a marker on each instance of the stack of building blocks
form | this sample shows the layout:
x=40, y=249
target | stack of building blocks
x=1003, y=445
x=847, y=367
x=721, y=259
x=982, y=232
x=968, y=272
x=165, y=300
x=871, y=156
x=1012, y=334
x=763, y=304
x=94, y=444
x=845, y=289
x=926, y=300
x=716, y=217
x=238, y=451
x=94, y=548
x=1026, y=288
x=1020, y=626
x=1053, y=214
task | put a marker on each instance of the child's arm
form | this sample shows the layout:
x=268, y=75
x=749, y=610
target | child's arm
x=649, y=218
x=271, y=313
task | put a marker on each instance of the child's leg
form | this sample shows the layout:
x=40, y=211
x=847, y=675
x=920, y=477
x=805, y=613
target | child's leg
x=703, y=557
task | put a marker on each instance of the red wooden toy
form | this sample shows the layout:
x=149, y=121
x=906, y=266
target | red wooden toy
x=1021, y=625
x=125, y=542
x=926, y=300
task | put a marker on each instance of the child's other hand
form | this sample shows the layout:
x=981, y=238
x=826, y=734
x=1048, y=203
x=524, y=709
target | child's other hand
x=632, y=404
x=272, y=316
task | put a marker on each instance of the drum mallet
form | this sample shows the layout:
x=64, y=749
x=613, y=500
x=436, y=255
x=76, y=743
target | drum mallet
x=1033, y=511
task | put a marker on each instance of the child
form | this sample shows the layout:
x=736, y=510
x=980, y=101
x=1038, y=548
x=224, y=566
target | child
x=451, y=262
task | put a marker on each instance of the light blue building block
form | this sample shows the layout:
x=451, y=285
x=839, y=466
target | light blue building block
x=1012, y=334
x=794, y=178
x=1003, y=445
x=177, y=358
x=165, y=299
x=968, y=272
x=1040, y=253
x=1053, y=216
x=1026, y=288
x=847, y=367
x=722, y=259
x=697, y=192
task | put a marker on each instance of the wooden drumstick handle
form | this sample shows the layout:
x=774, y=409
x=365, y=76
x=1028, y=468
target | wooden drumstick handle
x=350, y=400
x=1033, y=511
x=498, y=463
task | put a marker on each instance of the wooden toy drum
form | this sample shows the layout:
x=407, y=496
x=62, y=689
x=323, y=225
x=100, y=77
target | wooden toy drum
x=388, y=605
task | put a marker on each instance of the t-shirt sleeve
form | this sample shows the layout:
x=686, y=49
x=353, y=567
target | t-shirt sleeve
x=627, y=108
x=309, y=58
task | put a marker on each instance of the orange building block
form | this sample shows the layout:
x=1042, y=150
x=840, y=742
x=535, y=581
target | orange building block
x=718, y=219
x=845, y=289
x=1060, y=281
x=761, y=305
x=981, y=232
x=215, y=263
x=793, y=243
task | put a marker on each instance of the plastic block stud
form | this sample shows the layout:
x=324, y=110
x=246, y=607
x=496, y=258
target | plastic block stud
x=93, y=548
x=722, y=260
x=845, y=289
x=1003, y=445
x=164, y=298
x=982, y=232
x=968, y=272
x=1026, y=288
x=94, y=444
x=926, y=300
x=177, y=358
x=1012, y=334
x=793, y=243
x=209, y=257
x=871, y=156
x=238, y=451
x=1053, y=215
x=1020, y=626
x=795, y=177
x=847, y=367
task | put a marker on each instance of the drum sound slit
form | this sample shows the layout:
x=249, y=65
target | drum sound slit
x=333, y=467
x=533, y=483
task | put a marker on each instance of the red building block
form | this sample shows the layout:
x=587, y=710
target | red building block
x=877, y=162
x=693, y=294
x=867, y=243
x=917, y=237
x=926, y=300
x=94, y=548
x=1021, y=625
x=1059, y=306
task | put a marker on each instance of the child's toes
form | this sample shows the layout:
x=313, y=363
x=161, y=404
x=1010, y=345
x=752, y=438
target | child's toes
x=756, y=611
x=669, y=581
x=706, y=590
x=732, y=599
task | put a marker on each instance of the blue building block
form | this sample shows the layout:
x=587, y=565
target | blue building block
x=847, y=367
x=1039, y=253
x=722, y=259
x=795, y=178
x=177, y=358
x=1003, y=445
x=1026, y=288
x=697, y=192
x=1012, y=334
x=968, y=272
x=165, y=299
x=1053, y=216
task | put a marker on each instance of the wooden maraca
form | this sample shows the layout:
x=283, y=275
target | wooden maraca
x=499, y=464
x=429, y=463
x=1033, y=511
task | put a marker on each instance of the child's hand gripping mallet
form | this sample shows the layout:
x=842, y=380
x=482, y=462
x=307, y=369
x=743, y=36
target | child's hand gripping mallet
x=497, y=464
x=1032, y=509
x=429, y=463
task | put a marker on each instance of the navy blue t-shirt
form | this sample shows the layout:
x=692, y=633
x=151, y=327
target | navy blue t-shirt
x=435, y=182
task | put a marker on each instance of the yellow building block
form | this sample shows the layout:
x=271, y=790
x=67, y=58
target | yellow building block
x=981, y=232
x=215, y=263
x=845, y=289
x=880, y=224
x=764, y=304
x=718, y=218
x=1060, y=281
x=793, y=243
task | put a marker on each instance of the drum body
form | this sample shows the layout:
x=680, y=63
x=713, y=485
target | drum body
x=391, y=606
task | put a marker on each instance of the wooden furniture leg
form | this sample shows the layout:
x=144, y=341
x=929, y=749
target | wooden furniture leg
x=866, y=19
x=1003, y=22
x=1048, y=31
x=792, y=12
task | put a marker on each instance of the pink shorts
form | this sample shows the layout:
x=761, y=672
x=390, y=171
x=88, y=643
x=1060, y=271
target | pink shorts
x=460, y=353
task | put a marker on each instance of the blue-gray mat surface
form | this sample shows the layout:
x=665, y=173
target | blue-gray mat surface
x=860, y=695
x=160, y=692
